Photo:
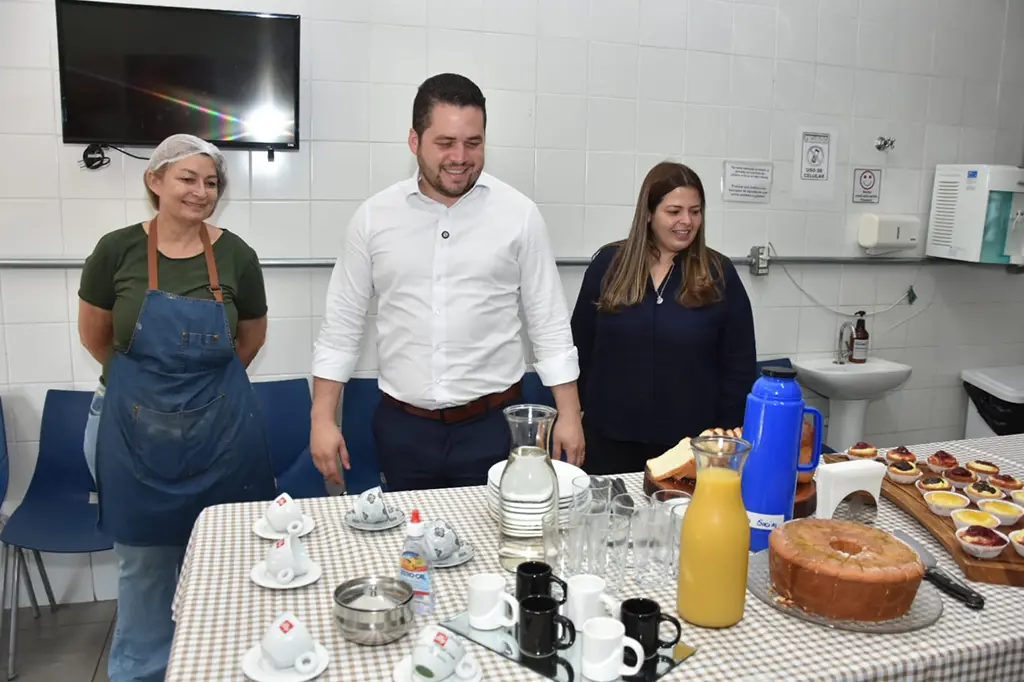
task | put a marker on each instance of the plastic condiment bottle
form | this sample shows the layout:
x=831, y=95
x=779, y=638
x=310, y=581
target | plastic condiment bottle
x=414, y=567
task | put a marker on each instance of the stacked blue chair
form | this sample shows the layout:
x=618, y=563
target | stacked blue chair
x=56, y=514
x=286, y=405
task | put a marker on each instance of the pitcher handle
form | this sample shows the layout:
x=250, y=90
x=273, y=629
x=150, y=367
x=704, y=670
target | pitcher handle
x=816, y=445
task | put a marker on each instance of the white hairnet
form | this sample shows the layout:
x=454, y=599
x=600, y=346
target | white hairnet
x=181, y=146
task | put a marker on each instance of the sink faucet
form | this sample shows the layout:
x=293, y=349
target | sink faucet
x=843, y=347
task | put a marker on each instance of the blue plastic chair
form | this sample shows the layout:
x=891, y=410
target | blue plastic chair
x=358, y=402
x=286, y=405
x=56, y=514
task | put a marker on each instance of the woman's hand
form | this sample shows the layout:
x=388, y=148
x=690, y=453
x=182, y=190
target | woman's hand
x=327, y=446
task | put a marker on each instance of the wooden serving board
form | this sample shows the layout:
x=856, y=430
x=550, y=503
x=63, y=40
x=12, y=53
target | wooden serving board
x=806, y=498
x=1006, y=569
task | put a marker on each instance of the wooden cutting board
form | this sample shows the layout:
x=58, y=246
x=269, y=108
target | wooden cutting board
x=805, y=504
x=1006, y=569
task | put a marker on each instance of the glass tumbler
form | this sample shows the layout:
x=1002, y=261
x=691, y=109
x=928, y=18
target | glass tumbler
x=563, y=544
x=591, y=493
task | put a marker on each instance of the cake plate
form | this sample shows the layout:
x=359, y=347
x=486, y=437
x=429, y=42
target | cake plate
x=925, y=610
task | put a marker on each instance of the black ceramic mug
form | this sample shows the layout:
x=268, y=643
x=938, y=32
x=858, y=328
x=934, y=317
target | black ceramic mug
x=536, y=578
x=538, y=624
x=643, y=619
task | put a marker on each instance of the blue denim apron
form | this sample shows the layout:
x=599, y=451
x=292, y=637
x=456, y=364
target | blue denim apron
x=181, y=429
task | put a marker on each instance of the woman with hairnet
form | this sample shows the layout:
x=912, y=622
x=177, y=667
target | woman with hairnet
x=175, y=310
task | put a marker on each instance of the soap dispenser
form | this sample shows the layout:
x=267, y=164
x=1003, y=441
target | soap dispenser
x=859, y=340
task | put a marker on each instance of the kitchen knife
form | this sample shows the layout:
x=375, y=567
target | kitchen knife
x=939, y=578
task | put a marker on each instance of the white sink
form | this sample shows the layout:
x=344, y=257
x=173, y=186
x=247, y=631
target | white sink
x=851, y=381
x=849, y=388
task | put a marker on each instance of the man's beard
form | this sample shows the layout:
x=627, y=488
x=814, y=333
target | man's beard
x=433, y=179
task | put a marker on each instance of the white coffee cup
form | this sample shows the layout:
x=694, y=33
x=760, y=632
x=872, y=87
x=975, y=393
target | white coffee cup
x=369, y=506
x=285, y=515
x=287, y=644
x=287, y=559
x=490, y=606
x=587, y=599
x=441, y=539
x=604, y=643
x=438, y=653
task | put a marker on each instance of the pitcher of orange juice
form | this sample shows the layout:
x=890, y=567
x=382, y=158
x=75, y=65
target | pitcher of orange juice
x=715, y=538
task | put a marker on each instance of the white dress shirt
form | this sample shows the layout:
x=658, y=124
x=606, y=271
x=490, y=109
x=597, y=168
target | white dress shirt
x=449, y=283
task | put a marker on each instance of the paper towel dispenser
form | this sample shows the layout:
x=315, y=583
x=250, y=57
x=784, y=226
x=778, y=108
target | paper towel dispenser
x=880, y=234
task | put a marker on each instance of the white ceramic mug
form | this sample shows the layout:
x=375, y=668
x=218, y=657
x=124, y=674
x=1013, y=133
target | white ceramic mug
x=287, y=559
x=587, y=599
x=490, y=606
x=438, y=653
x=441, y=539
x=287, y=644
x=604, y=643
x=285, y=515
x=369, y=506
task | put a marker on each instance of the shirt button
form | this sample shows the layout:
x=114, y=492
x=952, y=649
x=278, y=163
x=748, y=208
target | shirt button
x=437, y=312
x=444, y=235
x=438, y=381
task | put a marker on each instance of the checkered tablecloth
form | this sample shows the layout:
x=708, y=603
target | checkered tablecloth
x=220, y=613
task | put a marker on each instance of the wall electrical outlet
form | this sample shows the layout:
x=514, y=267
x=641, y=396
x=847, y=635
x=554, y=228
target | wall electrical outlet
x=758, y=260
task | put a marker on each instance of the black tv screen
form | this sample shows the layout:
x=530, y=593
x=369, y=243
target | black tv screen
x=135, y=74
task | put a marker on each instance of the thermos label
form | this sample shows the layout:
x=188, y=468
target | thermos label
x=765, y=521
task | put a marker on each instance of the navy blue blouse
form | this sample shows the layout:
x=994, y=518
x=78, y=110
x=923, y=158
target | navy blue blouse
x=659, y=373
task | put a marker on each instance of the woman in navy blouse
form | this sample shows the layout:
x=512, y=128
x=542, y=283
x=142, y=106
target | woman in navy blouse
x=664, y=331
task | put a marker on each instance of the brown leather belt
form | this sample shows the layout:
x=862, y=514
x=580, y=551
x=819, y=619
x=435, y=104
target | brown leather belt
x=460, y=413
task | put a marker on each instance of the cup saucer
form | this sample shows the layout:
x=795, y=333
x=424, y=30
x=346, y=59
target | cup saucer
x=403, y=672
x=255, y=669
x=395, y=518
x=264, y=530
x=464, y=553
x=258, y=575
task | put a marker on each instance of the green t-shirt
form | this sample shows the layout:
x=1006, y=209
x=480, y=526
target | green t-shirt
x=116, y=277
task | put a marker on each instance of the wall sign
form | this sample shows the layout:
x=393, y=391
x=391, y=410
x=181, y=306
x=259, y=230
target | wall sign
x=748, y=182
x=867, y=185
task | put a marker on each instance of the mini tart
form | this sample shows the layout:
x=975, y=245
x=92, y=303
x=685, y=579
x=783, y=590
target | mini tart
x=863, y=450
x=981, y=536
x=900, y=454
x=903, y=468
x=934, y=483
x=943, y=460
x=961, y=475
x=1006, y=482
x=983, y=468
x=984, y=490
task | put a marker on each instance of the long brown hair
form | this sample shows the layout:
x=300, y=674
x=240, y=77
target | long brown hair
x=625, y=282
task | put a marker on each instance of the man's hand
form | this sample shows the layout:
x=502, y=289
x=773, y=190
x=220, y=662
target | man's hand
x=568, y=437
x=327, y=446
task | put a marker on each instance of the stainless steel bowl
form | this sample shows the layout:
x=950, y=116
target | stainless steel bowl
x=373, y=610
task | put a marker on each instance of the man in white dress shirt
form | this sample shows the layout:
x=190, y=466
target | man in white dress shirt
x=451, y=253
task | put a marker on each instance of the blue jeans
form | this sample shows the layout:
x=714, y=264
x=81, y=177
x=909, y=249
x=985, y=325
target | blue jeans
x=147, y=577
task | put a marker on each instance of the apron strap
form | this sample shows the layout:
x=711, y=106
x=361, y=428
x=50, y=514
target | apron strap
x=211, y=263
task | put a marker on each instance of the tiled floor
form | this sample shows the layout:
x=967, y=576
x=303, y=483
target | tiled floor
x=70, y=645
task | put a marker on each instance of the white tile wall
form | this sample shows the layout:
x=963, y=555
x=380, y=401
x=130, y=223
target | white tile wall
x=583, y=97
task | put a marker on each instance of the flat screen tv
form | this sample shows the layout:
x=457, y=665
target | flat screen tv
x=135, y=74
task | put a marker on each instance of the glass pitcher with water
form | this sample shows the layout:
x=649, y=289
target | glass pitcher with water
x=529, y=487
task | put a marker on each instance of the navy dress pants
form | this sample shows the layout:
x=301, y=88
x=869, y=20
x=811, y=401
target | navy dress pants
x=417, y=453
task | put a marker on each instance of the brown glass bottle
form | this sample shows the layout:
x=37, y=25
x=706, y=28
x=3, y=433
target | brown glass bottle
x=859, y=340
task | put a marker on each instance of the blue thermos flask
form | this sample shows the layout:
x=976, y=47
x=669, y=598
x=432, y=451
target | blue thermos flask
x=773, y=425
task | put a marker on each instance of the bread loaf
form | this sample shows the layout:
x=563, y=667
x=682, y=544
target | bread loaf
x=677, y=462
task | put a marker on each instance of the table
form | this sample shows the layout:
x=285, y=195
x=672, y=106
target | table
x=220, y=613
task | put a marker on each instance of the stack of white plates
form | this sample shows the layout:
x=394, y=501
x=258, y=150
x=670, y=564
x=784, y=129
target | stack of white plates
x=526, y=512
